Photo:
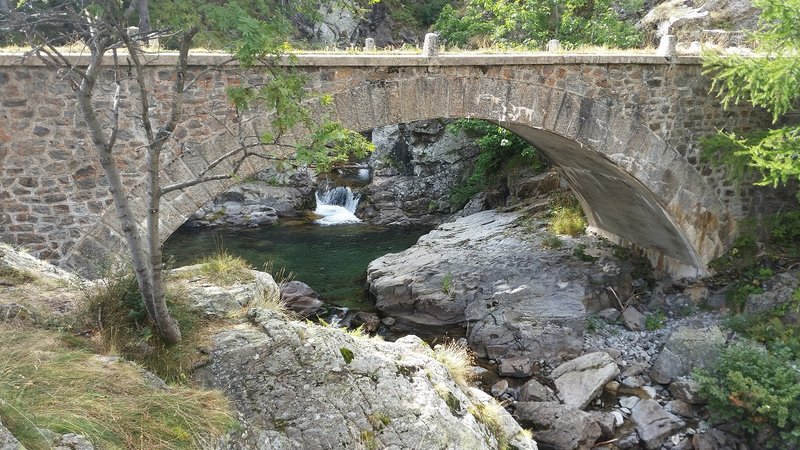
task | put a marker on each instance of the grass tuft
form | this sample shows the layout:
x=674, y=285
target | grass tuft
x=566, y=216
x=224, y=269
x=14, y=277
x=457, y=360
x=47, y=384
x=489, y=414
x=115, y=312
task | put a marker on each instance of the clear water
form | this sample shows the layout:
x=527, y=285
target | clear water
x=331, y=259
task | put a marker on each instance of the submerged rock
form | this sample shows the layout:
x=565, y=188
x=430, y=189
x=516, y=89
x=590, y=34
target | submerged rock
x=301, y=386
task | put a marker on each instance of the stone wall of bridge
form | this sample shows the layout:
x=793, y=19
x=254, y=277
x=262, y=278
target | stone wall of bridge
x=624, y=129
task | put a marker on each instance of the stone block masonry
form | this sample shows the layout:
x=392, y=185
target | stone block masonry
x=624, y=130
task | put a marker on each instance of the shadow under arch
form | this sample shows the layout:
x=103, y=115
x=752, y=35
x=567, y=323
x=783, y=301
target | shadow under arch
x=631, y=183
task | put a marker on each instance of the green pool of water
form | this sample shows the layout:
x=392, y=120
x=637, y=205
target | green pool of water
x=332, y=260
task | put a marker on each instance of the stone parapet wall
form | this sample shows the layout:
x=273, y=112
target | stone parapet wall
x=629, y=121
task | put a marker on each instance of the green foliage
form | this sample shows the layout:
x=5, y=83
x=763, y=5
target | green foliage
x=772, y=329
x=755, y=391
x=447, y=284
x=580, y=253
x=417, y=14
x=771, y=81
x=501, y=151
x=347, y=354
x=531, y=23
x=552, y=241
x=566, y=216
x=654, y=321
x=332, y=144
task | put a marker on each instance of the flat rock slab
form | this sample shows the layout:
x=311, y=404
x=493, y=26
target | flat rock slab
x=559, y=427
x=653, y=423
x=580, y=380
x=491, y=270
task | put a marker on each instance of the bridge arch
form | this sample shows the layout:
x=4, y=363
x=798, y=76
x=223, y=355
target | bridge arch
x=623, y=128
x=632, y=184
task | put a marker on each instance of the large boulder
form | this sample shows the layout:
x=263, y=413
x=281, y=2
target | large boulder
x=297, y=385
x=7, y=440
x=223, y=301
x=558, y=427
x=415, y=167
x=582, y=379
x=687, y=348
x=469, y=270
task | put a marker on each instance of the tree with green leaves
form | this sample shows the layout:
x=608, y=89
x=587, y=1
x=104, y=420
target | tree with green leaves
x=531, y=23
x=769, y=80
x=255, y=33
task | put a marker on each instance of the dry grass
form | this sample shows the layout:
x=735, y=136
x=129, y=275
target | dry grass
x=222, y=269
x=457, y=360
x=489, y=414
x=116, y=315
x=48, y=384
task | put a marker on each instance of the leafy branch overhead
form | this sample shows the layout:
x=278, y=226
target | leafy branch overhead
x=770, y=81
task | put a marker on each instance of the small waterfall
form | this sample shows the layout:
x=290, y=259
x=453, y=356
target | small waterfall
x=337, y=206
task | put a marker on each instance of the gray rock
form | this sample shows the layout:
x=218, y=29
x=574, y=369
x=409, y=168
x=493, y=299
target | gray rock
x=633, y=319
x=609, y=314
x=686, y=349
x=619, y=419
x=558, y=427
x=533, y=391
x=298, y=385
x=680, y=408
x=605, y=420
x=539, y=312
x=582, y=379
x=687, y=390
x=219, y=301
x=629, y=441
x=415, y=166
x=715, y=439
x=72, y=441
x=517, y=366
x=7, y=440
x=300, y=298
x=628, y=402
x=777, y=293
x=499, y=388
x=653, y=423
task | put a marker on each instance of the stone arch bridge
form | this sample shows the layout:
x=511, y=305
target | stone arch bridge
x=623, y=129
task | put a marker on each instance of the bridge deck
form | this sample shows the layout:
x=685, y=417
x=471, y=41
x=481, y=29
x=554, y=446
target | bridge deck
x=394, y=60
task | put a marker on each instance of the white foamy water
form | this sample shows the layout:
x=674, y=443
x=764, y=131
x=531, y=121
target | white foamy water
x=337, y=206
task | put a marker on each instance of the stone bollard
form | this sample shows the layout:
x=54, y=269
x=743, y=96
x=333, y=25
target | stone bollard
x=695, y=47
x=666, y=47
x=369, y=45
x=553, y=45
x=132, y=31
x=431, y=46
